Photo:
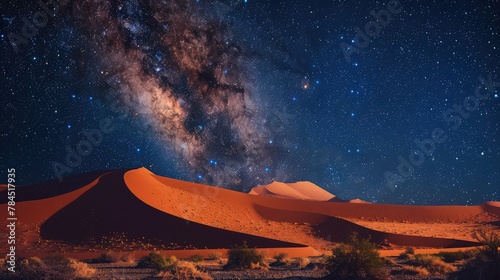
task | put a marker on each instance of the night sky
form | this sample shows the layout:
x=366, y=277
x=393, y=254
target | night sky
x=240, y=93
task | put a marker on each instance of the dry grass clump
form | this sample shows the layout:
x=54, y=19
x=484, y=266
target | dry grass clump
x=281, y=259
x=215, y=256
x=53, y=268
x=434, y=264
x=81, y=270
x=260, y=266
x=183, y=270
x=412, y=270
x=114, y=257
x=196, y=258
x=451, y=257
x=301, y=262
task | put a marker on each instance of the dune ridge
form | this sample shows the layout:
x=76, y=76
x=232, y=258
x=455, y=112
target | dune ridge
x=135, y=209
x=304, y=190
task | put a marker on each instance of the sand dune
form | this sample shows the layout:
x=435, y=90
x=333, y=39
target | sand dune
x=138, y=210
x=357, y=200
x=300, y=190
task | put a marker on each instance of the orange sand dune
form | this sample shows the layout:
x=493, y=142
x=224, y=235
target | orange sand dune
x=295, y=218
x=299, y=190
x=110, y=209
x=357, y=200
x=138, y=210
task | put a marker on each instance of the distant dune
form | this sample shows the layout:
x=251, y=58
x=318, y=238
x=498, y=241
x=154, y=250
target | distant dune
x=138, y=210
x=300, y=190
x=357, y=200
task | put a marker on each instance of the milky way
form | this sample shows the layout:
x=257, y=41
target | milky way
x=239, y=93
x=179, y=70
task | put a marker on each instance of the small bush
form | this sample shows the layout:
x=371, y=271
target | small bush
x=281, y=257
x=215, y=256
x=451, y=257
x=33, y=268
x=410, y=250
x=53, y=268
x=242, y=257
x=486, y=263
x=302, y=262
x=490, y=241
x=81, y=270
x=358, y=258
x=434, y=264
x=106, y=257
x=196, y=258
x=157, y=261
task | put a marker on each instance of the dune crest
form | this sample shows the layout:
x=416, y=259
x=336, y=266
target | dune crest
x=303, y=190
x=135, y=209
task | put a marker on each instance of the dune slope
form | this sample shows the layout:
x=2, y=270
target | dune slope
x=110, y=209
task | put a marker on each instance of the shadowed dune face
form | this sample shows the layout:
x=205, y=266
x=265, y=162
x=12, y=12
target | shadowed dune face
x=109, y=208
x=125, y=209
x=338, y=230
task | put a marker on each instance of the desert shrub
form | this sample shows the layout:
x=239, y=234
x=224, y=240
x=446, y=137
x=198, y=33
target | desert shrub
x=484, y=265
x=281, y=260
x=302, y=262
x=32, y=268
x=157, y=261
x=196, y=258
x=185, y=270
x=54, y=268
x=81, y=269
x=106, y=257
x=215, y=256
x=410, y=250
x=281, y=257
x=357, y=258
x=242, y=257
x=127, y=258
x=434, y=264
x=451, y=257
x=490, y=241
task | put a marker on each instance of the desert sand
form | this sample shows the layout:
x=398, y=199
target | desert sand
x=136, y=210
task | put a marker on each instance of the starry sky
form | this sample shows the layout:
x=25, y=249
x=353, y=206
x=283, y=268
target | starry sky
x=388, y=101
